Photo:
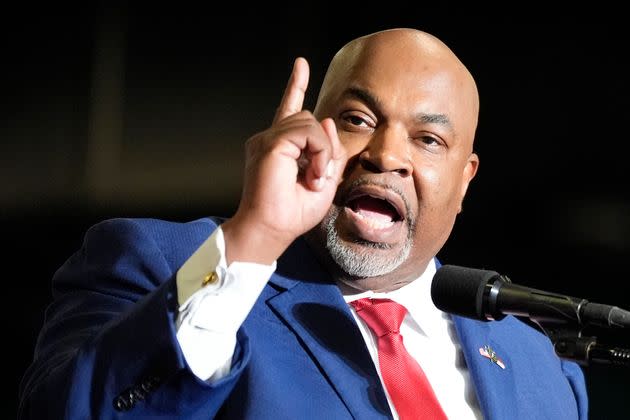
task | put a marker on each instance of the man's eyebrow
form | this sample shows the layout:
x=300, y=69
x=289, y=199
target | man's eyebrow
x=441, y=119
x=374, y=103
x=363, y=95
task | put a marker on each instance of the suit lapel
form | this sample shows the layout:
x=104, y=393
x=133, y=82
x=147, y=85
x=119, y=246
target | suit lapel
x=316, y=312
x=493, y=379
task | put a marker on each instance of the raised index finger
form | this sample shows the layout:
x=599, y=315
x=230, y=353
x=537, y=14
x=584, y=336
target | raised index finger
x=293, y=97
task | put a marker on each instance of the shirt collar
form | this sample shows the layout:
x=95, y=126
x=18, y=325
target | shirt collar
x=416, y=297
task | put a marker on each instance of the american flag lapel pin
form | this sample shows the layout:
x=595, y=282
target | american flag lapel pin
x=486, y=351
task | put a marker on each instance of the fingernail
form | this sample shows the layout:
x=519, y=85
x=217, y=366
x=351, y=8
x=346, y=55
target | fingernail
x=319, y=182
x=330, y=169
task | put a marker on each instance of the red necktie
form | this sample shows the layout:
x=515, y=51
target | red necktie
x=405, y=381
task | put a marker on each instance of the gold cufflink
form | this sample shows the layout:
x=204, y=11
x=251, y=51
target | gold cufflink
x=210, y=278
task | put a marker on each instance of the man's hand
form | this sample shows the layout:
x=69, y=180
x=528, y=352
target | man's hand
x=292, y=170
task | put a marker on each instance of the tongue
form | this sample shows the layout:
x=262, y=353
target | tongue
x=374, y=208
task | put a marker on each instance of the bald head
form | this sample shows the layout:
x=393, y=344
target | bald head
x=410, y=55
x=406, y=111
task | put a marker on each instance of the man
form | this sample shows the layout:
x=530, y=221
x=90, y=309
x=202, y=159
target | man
x=250, y=318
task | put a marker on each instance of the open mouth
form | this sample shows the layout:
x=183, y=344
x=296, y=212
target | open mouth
x=375, y=207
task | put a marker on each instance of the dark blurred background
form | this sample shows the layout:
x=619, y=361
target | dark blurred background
x=136, y=111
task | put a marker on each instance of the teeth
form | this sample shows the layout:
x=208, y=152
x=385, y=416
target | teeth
x=373, y=223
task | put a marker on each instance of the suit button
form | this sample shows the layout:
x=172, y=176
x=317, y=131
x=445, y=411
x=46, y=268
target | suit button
x=150, y=383
x=137, y=394
x=122, y=404
x=130, y=396
x=147, y=386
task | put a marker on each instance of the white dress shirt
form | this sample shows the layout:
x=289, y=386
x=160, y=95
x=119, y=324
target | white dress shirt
x=209, y=317
x=430, y=337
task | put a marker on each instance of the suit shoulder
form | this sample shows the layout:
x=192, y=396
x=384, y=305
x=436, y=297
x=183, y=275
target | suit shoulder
x=174, y=240
x=127, y=228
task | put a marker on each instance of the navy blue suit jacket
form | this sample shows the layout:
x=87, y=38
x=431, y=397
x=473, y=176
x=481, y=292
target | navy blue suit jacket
x=108, y=347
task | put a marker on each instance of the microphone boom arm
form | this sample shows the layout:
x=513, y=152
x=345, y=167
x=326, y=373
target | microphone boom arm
x=576, y=327
x=557, y=316
x=570, y=344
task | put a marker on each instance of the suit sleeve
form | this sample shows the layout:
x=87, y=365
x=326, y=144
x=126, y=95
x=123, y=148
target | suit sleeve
x=576, y=379
x=108, y=346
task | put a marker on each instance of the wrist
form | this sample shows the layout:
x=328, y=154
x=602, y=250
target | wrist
x=247, y=241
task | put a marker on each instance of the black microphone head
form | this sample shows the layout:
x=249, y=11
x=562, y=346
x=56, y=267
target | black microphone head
x=460, y=290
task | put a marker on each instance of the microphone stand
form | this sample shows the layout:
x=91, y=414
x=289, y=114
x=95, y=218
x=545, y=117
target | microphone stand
x=582, y=347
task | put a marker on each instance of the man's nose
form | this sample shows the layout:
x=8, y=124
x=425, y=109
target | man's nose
x=387, y=151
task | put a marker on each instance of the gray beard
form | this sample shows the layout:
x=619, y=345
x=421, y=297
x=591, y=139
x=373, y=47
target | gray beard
x=364, y=262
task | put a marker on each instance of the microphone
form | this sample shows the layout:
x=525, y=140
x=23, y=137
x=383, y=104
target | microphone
x=488, y=296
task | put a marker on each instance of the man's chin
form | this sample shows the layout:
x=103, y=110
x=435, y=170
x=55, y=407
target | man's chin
x=361, y=258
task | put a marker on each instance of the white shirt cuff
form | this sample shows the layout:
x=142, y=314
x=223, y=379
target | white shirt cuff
x=210, y=315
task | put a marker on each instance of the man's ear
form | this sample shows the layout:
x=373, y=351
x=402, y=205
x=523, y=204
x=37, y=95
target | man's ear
x=469, y=172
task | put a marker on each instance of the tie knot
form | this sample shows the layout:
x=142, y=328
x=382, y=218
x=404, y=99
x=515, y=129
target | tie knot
x=383, y=316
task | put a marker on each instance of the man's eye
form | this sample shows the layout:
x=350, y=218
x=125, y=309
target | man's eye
x=356, y=120
x=429, y=140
